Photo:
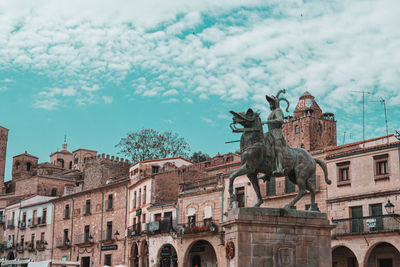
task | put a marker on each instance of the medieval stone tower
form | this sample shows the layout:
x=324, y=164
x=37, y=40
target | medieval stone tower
x=309, y=128
x=3, y=150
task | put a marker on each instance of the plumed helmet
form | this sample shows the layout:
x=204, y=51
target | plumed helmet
x=276, y=99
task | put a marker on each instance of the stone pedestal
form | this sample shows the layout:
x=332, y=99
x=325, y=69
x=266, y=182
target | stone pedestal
x=278, y=237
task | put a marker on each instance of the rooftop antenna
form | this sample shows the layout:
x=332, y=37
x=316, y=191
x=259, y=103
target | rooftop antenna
x=363, y=102
x=344, y=136
x=386, y=122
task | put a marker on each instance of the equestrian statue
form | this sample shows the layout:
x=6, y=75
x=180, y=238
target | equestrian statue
x=270, y=155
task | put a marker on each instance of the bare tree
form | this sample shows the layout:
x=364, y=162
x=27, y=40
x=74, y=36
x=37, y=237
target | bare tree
x=146, y=144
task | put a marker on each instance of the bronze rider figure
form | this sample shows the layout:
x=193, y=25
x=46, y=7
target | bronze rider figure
x=274, y=134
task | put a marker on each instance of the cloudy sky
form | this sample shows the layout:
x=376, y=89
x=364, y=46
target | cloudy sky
x=96, y=70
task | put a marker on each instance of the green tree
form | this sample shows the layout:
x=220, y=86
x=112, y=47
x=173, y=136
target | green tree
x=147, y=144
x=199, y=157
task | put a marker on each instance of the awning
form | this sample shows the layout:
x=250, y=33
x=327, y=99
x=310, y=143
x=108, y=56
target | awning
x=39, y=264
x=63, y=263
x=14, y=262
x=54, y=262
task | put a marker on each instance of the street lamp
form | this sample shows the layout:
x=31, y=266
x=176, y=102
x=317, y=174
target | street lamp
x=389, y=207
x=116, y=234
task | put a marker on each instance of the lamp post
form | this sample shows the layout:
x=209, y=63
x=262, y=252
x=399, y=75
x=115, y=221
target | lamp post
x=116, y=234
x=389, y=207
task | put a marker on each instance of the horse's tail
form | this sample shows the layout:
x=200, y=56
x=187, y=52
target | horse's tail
x=322, y=164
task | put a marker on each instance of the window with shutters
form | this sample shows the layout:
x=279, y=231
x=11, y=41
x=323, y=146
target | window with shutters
x=357, y=225
x=343, y=173
x=376, y=213
x=381, y=167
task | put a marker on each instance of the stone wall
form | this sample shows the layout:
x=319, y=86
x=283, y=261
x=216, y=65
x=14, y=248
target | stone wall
x=98, y=170
x=277, y=237
x=42, y=186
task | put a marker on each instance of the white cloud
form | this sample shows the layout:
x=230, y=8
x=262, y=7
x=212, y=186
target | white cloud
x=171, y=92
x=7, y=80
x=207, y=120
x=3, y=88
x=187, y=100
x=108, y=99
x=48, y=104
x=239, y=54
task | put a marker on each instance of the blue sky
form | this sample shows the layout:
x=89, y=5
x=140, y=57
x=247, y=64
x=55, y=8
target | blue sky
x=96, y=70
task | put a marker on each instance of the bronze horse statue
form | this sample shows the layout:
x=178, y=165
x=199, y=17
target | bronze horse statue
x=257, y=157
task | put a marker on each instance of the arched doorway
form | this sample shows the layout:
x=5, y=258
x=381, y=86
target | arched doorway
x=383, y=255
x=11, y=256
x=134, y=259
x=145, y=255
x=343, y=257
x=201, y=253
x=167, y=256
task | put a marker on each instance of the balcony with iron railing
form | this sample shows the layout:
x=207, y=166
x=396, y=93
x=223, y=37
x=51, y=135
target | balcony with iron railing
x=41, y=221
x=66, y=214
x=83, y=239
x=86, y=210
x=63, y=243
x=33, y=223
x=30, y=246
x=106, y=236
x=9, y=244
x=389, y=223
x=109, y=204
x=10, y=224
x=135, y=230
x=20, y=248
x=22, y=225
x=160, y=227
x=198, y=228
x=41, y=245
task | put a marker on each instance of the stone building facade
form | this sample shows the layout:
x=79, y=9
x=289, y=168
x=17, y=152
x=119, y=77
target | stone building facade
x=365, y=178
x=183, y=216
x=30, y=231
x=90, y=226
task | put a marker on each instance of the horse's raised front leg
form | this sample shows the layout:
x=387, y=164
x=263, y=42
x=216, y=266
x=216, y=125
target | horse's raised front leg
x=254, y=181
x=242, y=170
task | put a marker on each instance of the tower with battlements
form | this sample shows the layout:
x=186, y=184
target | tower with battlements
x=3, y=150
x=309, y=127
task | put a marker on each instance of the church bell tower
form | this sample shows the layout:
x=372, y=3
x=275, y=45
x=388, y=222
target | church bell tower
x=309, y=128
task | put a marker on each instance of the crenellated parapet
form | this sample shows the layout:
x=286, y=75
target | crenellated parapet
x=106, y=158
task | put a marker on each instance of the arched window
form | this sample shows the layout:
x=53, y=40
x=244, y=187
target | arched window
x=70, y=164
x=28, y=166
x=207, y=215
x=191, y=217
x=60, y=163
x=17, y=165
x=54, y=192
